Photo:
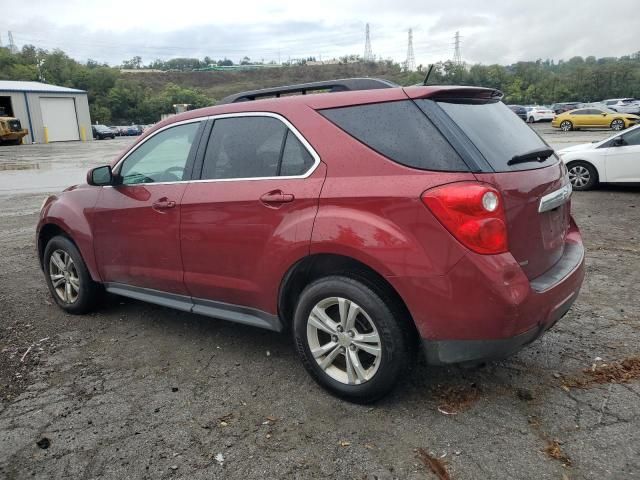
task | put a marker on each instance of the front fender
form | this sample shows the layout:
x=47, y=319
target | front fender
x=70, y=212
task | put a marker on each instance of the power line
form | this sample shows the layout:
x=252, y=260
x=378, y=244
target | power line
x=12, y=46
x=457, y=56
x=368, y=55
x=410, y=64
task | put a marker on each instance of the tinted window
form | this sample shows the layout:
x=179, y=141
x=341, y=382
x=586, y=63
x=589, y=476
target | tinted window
x=244, y=147
x=580, y=112
x=161, y=158
x=496, y=133
x=401, y=132
x=296, y=159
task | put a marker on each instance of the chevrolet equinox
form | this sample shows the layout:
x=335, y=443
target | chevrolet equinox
x=368, y=219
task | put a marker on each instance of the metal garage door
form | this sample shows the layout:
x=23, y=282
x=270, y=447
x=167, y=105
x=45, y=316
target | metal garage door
x=59, y=116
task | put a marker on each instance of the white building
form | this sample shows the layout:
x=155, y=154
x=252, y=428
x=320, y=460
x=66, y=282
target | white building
x=51, y=113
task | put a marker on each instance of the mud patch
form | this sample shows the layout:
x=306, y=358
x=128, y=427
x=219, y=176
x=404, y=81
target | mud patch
x=622, y=371
x=453, y=399
x=435, y=465
x=554, y=451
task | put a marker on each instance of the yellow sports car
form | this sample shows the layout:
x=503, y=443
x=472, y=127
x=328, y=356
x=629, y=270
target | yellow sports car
x=594, y=118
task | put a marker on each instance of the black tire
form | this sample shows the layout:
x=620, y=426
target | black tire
x=88, y=291
x=566, y=126
x=531, y=120
x=583, y=175
x=397, y=338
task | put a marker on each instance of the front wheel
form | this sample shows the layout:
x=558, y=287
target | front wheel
x=67, y=276
x=582, y=175
x=617, y=125
x=352, y=342
x=531, y=120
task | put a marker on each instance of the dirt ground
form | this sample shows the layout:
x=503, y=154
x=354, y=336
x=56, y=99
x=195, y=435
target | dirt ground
x=140, y=391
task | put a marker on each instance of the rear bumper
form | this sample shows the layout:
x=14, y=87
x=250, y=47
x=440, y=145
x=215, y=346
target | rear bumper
x=444, y=352
x=486, y=307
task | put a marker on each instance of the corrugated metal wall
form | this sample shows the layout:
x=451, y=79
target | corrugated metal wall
x=33, y=118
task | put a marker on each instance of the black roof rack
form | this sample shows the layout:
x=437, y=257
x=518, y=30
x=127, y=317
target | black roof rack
x=342, y=85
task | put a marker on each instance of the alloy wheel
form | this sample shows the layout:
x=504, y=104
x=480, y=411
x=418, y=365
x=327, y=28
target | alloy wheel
x=64, y=276
x=579, y=176
x=617, y=125
x=344, y=341
x=565, y=126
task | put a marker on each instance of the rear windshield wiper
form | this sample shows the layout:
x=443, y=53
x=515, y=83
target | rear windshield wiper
x=539, y=155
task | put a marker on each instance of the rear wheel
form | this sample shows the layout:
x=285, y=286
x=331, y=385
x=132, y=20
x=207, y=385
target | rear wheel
x=531, y=120
x=582, y=175
x=566, y=126
x=67, y=277
x=350, y=340
x=617, y=125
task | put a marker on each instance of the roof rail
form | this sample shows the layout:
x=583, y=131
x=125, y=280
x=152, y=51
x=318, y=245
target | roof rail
x=341, y=85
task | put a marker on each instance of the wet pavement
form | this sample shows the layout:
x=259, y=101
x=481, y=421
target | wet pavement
x=55, y=166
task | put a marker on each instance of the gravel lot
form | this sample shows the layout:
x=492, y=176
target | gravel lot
x=139, y=391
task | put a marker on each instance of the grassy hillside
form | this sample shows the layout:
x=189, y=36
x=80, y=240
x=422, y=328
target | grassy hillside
x=216, y=84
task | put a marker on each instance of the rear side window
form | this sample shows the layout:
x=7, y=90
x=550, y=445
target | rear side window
x=496, y=133
x=401, y=132
x=254, y=147
x=296, y=159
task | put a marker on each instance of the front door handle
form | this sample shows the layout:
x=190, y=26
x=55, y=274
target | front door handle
x=163, y=204
x=276, y=197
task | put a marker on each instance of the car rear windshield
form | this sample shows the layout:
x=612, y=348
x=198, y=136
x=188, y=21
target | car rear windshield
x=401, y=132
x=497, y=133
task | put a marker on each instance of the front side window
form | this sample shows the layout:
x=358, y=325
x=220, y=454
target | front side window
x=632, y=138
x=253, y=147
x=161, y=158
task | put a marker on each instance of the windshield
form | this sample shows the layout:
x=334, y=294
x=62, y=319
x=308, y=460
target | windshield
x=498, y=134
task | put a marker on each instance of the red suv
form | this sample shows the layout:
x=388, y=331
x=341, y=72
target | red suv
x=368, y=219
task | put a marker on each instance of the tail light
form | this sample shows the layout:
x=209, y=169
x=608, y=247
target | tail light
x=474, y=214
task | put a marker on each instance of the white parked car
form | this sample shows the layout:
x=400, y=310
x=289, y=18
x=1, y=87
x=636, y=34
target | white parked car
x=539, y=114
x=614, y=160
x=623, y=105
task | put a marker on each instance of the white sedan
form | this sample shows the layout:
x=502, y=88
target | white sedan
x=614, y=160
x=539, y=114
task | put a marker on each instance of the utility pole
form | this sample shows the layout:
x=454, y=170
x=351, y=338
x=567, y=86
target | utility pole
x=410, y=64
x=368, y=55
x=12, y=46
x=457, y=56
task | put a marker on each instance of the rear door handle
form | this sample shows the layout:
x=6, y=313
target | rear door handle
x=276, y=197
x=163, y=204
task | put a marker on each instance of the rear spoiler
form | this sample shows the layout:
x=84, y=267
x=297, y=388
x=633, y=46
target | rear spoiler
x=455, y=94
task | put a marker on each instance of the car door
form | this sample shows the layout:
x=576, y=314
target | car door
x=136, y=223
x=623, y=160
x=250, y=215
x=580, y=118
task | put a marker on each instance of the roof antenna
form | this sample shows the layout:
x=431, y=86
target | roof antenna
x=428, y=74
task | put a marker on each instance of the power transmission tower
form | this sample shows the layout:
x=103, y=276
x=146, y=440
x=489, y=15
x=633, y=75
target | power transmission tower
x=368, y=55
x=457, y=56
x=410, y=64
x=12, y=46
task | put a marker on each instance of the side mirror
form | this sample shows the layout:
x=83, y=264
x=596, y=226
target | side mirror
x=618, y=142
x=100, y=176
x=604, y=114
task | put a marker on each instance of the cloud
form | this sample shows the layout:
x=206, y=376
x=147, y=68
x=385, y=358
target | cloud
x=492, y=31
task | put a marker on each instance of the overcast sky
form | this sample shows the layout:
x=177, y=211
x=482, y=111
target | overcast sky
x=492, y=31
